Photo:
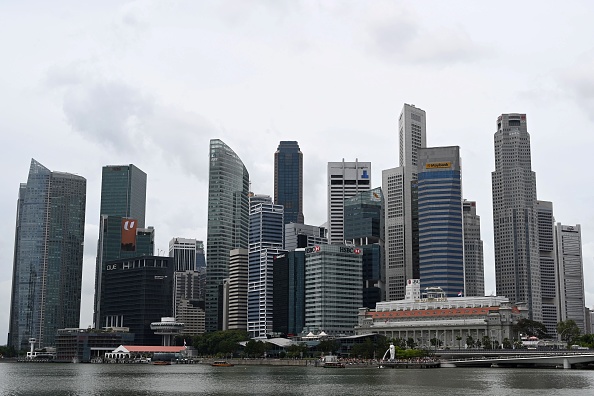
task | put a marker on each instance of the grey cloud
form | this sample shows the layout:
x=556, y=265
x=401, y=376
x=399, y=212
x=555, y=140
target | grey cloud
x=400, y=38
x=109, y=112
x=578, y=82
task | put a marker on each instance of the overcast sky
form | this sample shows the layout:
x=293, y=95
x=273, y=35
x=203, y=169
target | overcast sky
x=87, y=84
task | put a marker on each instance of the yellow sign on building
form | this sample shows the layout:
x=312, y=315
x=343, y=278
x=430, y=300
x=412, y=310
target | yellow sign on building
x=437, y=165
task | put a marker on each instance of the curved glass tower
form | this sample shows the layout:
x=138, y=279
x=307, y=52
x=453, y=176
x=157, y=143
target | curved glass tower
x=228, y=220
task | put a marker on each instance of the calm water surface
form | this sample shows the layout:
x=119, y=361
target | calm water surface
x=116, y=379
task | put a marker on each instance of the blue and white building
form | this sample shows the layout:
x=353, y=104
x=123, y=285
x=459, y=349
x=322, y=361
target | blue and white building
x=441, y=231
x=265, y=242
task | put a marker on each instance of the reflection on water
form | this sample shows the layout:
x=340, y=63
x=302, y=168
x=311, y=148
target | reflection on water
x=125, y=380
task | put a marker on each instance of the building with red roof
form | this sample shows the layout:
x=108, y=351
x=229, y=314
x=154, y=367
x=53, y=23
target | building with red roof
x=450, y=320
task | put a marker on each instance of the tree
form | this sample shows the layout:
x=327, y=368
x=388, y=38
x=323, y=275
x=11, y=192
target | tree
x=328, y=346
x=255, y=348
x=530, y=328
x=411, y=343
x=487, y=342
x=435, y=342
x=568, y=331
x=507, y=343
x=470, y=341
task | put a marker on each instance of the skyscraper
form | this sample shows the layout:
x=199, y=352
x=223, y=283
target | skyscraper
x=289, y=292
x=571, y=275
x=123, y=192
x=237, y=306
x=399, y=188
x=121, y=222
x=345, y=179
x=288, y=180
x=228, y=219
x=188, y=284
x=474, y=268
x=48, y=256
x=265, y=242
x=333, y=295
x=517, y=266
x=441, y=233
x=364, y=227
x=548, y=266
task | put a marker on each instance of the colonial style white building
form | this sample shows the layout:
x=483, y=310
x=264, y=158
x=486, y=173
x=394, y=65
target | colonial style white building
x=449, y=320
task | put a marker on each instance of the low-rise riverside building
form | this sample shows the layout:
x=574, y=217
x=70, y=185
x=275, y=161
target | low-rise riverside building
x=449, y=322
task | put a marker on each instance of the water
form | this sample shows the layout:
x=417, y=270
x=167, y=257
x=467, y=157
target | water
x=127, y=380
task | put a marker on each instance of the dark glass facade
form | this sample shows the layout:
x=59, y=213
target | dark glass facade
x=123, y=196
x=289, y=293
x=364, y=226
x=123, y=192
x=110, y=248
x=288, y=180
x=48, y=256
x=137, y=292
x=228, y=218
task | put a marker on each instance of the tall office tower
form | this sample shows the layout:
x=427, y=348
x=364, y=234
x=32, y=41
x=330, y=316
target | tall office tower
x=571, y=275
x=288, y=180
x=188, y=254
x=401, y=218
x=265, y=242
x=474, y=268
x=304, y=235
x=123, y=205
x=137, y=291
x=236, y=306
x=333, y=295
x=48, y=256
x=441, y=231
x=289, y=293
x=345, y=179
x=187, y=306
x=517, y=264
x=228, y=220
x=548, y=265
x=123, y=192
x=364, y=227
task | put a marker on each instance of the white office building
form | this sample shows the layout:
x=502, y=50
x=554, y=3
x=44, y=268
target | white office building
x=345, y=179
x=571, y=274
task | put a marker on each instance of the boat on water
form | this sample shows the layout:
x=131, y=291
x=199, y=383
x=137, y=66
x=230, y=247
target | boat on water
x=331, y=361
x=221, y=363
x=161, y=363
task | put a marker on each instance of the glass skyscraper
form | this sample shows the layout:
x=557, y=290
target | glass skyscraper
x=48, y=256
x=364, y=227
x=123, y=197
x=265, y=242
x=228, y=218
x=288, y=181
x=441, y=232
x=123, y=192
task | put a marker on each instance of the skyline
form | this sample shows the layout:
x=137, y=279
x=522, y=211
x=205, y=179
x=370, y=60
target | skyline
x=149, y=84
